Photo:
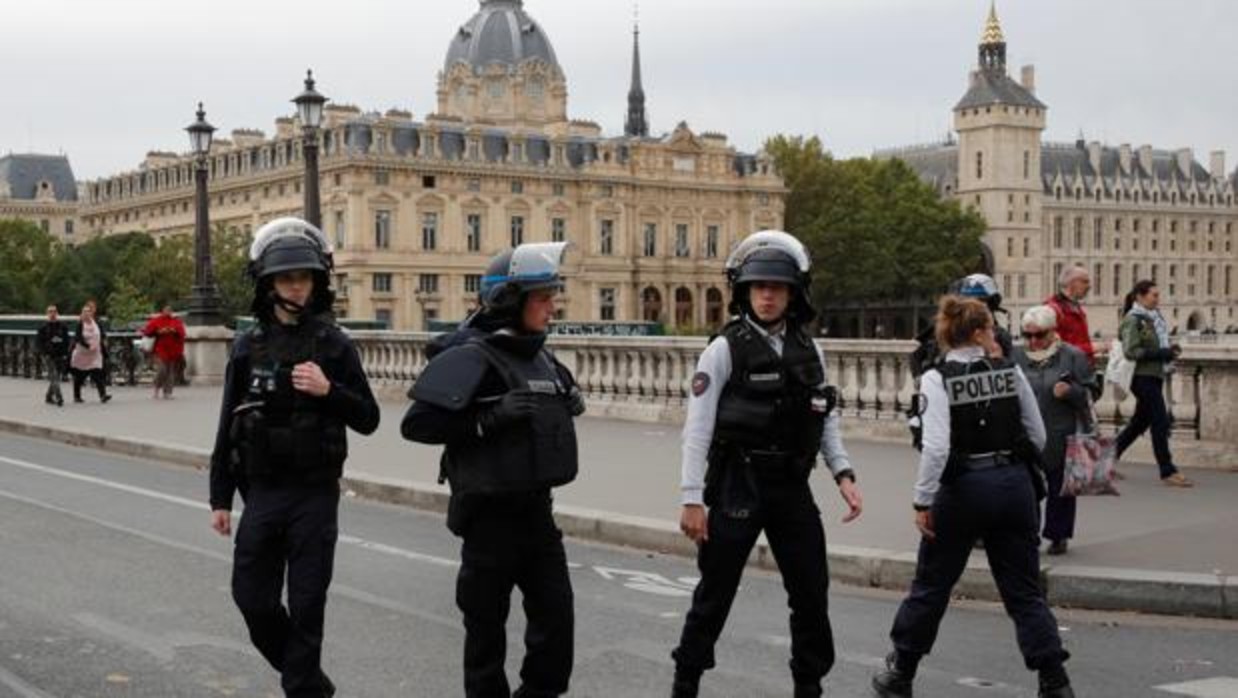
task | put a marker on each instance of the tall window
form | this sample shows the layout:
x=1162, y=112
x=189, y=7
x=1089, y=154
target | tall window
x=429, y=231
x=517, y=230
x=1098, y=232
x=606, y=303
x=1211, y=280
x=1229, y=273
x=1057, y=233
x=472, y=283
x=339, y=230
x=382, y=230
x=651, y=239
x=382, y=283
x=711, y=242
x=1010, y=246
x=979, y=165
x=1117, y=280
x=1096, y=278
x=1057, y=271
x=606, y=237
x=472, y=232
x=681, y=240
x=1027, y=247
x=1022, y=286
x=68, y=227
x=558, y=230
x=1027, y=164
x=427, y=283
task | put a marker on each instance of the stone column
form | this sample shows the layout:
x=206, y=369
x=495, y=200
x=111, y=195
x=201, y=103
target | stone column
x=206, y=354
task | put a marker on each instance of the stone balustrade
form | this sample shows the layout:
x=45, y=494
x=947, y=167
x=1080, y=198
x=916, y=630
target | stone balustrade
x=649, y=378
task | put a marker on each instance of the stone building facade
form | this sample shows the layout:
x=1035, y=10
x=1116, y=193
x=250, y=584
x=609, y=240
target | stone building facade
x=1125, y=213
x=40, y=189
x=417, y=207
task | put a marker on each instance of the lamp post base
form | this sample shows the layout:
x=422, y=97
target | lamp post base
x=204, y=308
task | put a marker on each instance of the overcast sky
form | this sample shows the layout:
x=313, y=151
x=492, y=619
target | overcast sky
x=104, y=82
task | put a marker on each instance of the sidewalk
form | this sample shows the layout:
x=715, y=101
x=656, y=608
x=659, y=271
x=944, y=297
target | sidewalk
x=1153, y=541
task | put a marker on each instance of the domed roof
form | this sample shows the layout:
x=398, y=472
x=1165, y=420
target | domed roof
x=501, y=32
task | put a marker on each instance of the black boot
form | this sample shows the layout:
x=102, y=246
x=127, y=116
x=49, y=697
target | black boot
x=1054, y=683
x=328, y=688
x=686, y=685
x=895, y=681
x=808, y=690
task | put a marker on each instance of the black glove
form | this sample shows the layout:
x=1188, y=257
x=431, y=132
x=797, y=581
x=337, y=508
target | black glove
x=516, y=406
x=576, y=402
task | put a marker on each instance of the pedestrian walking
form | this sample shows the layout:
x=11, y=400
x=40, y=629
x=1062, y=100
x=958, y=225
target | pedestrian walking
x=88, y=359
x=1074, y=284
x=53, y=344
x=979, y=479
x=759, y=413
x=1061, y=379
x=503, y=407
x=293, y=386
x=168, y=332
x=1146, y=341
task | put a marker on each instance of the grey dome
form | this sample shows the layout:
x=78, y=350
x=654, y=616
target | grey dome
x=501, y=32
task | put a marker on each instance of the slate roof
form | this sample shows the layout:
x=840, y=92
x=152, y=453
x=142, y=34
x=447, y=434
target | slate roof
x=994, y=87
x=501, y=32
x=23, y=173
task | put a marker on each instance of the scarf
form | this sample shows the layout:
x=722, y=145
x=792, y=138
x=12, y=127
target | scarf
x=1157, y=320
x=1044, y=355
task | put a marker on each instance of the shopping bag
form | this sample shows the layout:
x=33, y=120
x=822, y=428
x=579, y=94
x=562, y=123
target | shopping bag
x=1119, y=370
x=1090, y=459
x=146, y=344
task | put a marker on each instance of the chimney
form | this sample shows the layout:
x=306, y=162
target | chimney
x=1094, y=156
x=1124, y=157
x=1185, y=158
x=1218, y=164
x=1029, y=78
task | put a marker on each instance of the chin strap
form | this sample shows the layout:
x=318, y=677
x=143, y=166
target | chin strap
x=289, y=307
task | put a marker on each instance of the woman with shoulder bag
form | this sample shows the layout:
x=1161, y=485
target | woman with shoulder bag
x=1060, y=378
x=1145, y=340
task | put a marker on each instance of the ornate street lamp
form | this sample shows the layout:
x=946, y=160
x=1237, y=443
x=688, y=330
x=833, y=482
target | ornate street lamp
x=204, y=303
x=309, y=107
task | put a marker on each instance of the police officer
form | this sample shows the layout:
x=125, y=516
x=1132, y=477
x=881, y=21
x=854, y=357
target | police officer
x=979, y=479
x=503, y=407
x=759, y=413
x=293, y=383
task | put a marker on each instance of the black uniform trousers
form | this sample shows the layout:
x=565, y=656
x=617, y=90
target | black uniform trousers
x=792, y=524
x=287, y=531
x=997, y=505
x=508, y=544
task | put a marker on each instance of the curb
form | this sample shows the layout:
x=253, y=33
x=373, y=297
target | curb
x=1070, y=586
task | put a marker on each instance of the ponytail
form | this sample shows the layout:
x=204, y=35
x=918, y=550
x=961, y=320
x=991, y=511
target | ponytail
x=1141, y=289
x=958, y=319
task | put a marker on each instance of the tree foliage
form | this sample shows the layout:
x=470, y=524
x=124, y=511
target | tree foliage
x=875, y=231
x=128, y=275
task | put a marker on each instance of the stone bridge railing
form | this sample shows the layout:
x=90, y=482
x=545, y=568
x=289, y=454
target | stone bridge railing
x=124, y=363
x=648, y=378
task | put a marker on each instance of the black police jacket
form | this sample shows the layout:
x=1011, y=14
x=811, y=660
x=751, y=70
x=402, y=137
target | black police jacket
x=985, y=416
x=270, y=432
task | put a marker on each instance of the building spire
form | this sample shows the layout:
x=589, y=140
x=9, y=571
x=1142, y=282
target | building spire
x=993, y=43
x=637, y=124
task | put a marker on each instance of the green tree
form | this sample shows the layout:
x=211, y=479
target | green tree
x=875, y=230
x=127, y=304
x=26, y=254
x=230, y=258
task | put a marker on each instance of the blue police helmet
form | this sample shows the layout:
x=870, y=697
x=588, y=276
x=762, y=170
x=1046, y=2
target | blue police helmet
x=982, y=287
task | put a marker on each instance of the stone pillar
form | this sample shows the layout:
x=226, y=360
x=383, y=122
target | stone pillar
x=206, y=354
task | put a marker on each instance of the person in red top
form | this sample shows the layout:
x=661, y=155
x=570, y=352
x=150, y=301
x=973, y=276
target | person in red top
x=169, y=349
x=1072, y=319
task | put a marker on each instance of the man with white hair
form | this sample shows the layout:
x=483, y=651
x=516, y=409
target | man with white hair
x=1072, y=320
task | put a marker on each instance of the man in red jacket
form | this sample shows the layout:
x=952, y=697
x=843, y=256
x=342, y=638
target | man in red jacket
x=169, y=349
x=1072, y=319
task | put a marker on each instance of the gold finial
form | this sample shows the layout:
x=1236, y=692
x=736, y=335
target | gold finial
x=992, y=28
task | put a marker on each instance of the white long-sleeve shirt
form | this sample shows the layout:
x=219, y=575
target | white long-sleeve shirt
x=936, y=419
x=713, y=370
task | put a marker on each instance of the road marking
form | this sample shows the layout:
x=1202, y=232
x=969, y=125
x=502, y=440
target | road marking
x=202, y=506
x=1217, y=687
x=20, y=687
x=648, y=582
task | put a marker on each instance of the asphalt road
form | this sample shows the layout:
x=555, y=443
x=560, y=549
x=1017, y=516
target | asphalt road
x=111, y=584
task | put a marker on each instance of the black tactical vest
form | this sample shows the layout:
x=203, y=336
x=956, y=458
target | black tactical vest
x=281, y=433
x=985, y=417
x=771, y=404
x=526, y=457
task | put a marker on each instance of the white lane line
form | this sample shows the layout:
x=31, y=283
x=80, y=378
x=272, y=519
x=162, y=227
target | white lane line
x=1218, y=687
x=362, y=543
x=344, y=590
x=20, y=687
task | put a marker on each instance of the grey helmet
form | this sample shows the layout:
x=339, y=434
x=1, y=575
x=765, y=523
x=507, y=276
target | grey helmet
x=982, y=287
x=287, y=244
x=771, y=255
x=514, y=273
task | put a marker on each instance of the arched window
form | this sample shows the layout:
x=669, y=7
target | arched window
x=714, y=305
x=683, y=307
x=651, y=305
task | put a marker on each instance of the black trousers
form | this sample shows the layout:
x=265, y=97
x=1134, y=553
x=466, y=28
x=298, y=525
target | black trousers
x=79, y=379
x=1150, y=413
x=792, y=524
x=515, y=545
x=287, y=531
x=996, y=505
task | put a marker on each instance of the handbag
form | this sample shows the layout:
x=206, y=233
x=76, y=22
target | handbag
x=1119, y=370
x=146, y=344
x=1090, y=459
